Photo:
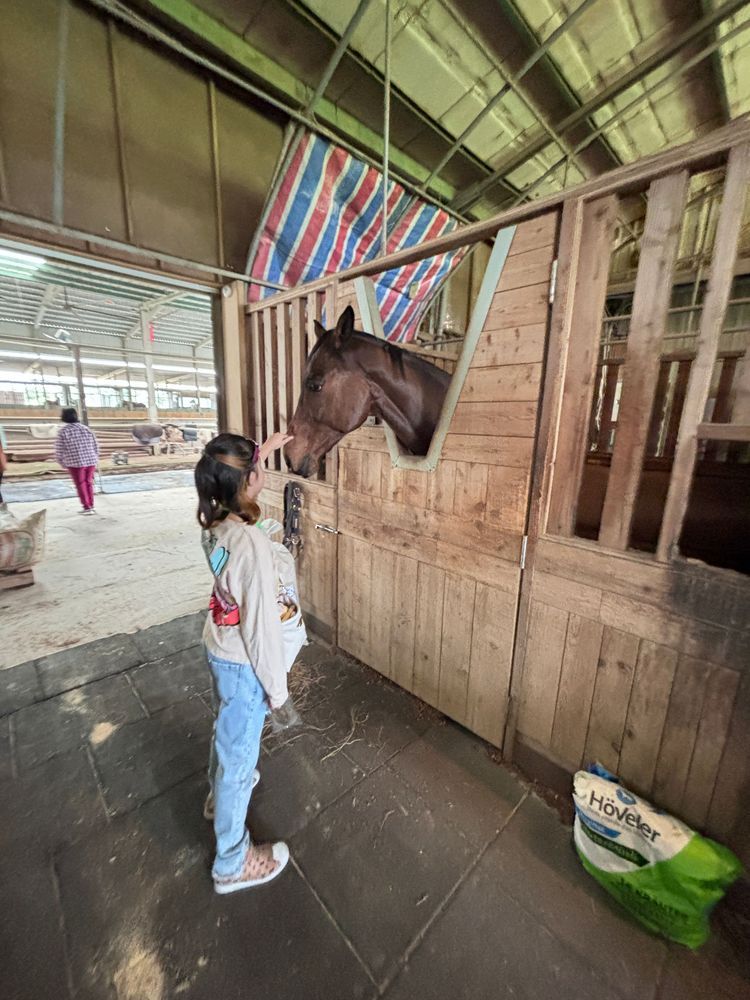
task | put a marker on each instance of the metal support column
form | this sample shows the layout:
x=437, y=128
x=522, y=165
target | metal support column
x=83, y=413
x=148, y=350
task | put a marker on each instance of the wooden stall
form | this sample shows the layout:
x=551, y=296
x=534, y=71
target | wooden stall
x=467, y=581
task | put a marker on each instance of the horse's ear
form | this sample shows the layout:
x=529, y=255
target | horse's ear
x=344, y=327
x=320, y=330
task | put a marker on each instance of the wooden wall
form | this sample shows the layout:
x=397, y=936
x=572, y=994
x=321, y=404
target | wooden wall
x=643, y=667
x=429, y=562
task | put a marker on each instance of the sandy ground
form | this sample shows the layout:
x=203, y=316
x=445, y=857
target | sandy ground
x=136, y=563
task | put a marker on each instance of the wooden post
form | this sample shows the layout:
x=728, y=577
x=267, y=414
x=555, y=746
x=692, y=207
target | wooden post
x=712, y=321
x=568, y=261
x=281, y=330
x=268, y=368
x=297, y=349
x=651, y=298
x=257, y=376
x=312, y=315
x=233, y=297
x=583, y=314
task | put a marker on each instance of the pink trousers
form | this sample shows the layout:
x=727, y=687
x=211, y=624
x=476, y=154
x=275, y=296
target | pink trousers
x=83, y=479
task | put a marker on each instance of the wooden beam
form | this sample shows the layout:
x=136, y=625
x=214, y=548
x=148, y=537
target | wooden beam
x=712, y=321
x=653, y=292
x=723, y=432
x=579, y=324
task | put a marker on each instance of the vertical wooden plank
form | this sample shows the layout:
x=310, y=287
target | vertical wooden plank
x=381, y=610
x=576, y=689
x=647, y=712
x=470, y=498
x=404, y=621
x=651, y=299
x=281, y=360
x=608, y=403
x=712, y=320
x=730, y=800
x=352, y=469
x=723, y=402
x=580, y=311
x=370, y=473
x=269, y=332
x=680, y=731
x=675, y=409
x=657, y=413
x=741, y=405
x=345, y=561
x=489, y=671
x=257, y=376
x=310, y=316
x=330, y=304
x=297, y=340
x=455, y=655
x=609, y=706
x=360, y=599
x=716, y=714
x=441, y=485
x=429, y=632
x=544, y=647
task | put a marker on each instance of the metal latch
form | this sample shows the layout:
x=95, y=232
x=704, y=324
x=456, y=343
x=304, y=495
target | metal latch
x=524, y=543
x=326, y=527
x=553, y=282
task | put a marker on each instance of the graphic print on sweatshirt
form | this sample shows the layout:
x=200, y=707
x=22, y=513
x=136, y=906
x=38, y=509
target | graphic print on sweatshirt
x=223, y=607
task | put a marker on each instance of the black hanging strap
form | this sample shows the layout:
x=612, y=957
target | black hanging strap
x=292, y=507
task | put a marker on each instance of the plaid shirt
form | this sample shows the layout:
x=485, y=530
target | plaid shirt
x=76, y=447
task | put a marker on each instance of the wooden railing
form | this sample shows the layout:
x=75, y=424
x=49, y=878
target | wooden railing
x=669, y=400
x=281, y=333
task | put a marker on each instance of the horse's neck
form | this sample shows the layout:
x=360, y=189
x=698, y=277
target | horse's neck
x=391, y=391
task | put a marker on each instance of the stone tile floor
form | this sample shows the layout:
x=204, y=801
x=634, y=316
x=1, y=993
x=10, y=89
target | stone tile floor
x=421, y=866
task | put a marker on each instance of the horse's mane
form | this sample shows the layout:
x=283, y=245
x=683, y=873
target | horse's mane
x=397, y=355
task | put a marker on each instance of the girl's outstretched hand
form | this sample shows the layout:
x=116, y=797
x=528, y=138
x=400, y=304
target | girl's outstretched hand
x=273, y=443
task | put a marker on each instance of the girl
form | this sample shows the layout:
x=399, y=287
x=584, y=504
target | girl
x=243, y=639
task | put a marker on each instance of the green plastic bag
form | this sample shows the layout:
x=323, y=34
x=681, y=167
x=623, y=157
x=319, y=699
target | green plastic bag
x=661, y=871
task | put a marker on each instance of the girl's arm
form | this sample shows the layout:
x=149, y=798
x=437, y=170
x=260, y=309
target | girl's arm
x=277, y=440
x=252, y=586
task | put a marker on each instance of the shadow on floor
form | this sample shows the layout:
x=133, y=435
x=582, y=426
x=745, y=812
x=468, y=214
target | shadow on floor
x=421, y=867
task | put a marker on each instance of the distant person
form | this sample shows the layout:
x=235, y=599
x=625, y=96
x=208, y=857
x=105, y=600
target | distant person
x=77, y=451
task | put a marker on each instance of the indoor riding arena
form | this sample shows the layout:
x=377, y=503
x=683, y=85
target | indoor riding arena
x=398, y=351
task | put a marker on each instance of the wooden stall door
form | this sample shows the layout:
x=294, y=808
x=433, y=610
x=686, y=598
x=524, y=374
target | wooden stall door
x=429, y=563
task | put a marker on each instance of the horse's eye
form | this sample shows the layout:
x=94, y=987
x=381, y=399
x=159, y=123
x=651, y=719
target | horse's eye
x=313, y=385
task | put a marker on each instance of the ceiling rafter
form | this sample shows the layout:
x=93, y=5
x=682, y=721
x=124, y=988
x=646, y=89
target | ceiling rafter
x=657, y=59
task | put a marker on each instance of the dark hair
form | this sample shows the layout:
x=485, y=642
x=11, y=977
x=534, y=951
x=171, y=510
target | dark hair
x=69, y=416
x=221, y=477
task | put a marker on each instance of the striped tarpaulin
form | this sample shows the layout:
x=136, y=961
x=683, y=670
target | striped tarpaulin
x=327, y=216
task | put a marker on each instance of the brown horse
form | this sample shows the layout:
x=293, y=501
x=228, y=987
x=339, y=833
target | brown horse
x=350, y=376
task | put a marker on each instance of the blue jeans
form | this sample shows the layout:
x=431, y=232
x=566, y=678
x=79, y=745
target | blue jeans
x=240, y=703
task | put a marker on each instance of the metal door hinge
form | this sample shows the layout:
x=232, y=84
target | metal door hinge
x=328, y=528
x=523, y=551
x=553, y=281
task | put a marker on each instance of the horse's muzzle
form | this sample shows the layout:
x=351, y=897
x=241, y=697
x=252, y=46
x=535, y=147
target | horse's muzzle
x=304, y=468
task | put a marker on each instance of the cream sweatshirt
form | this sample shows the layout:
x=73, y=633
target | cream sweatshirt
x=243, y=623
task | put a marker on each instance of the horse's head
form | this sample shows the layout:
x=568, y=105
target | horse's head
x=336, y=397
